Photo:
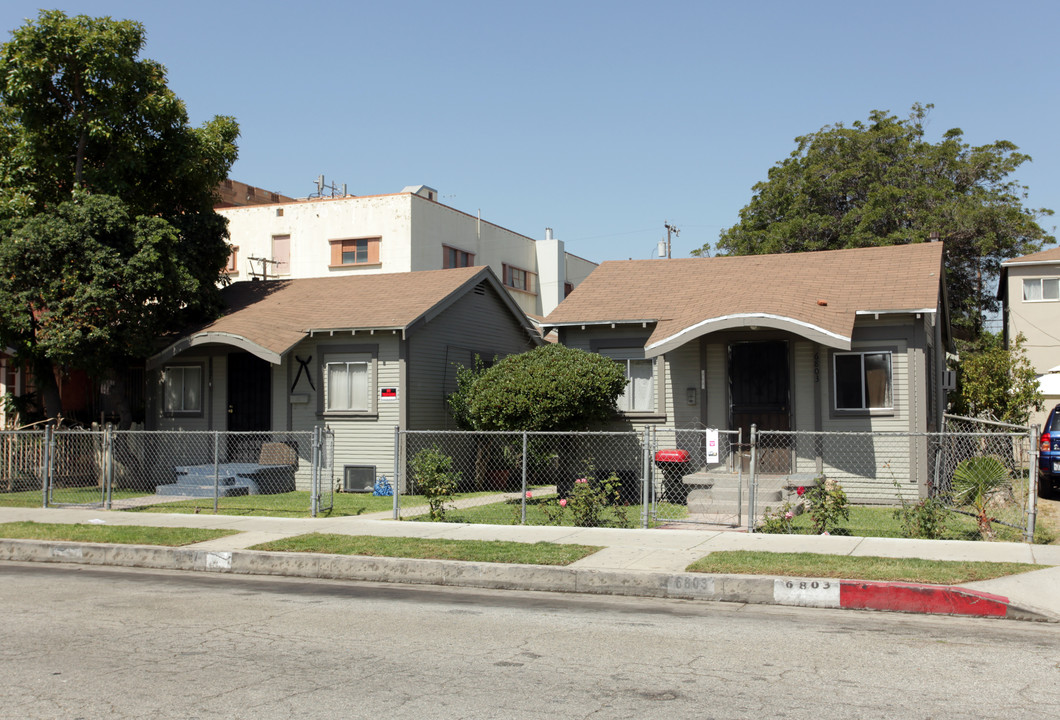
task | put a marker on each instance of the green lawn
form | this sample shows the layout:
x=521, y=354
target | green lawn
x=292, y=504
x=494, y=551
x=509, y=513
x=881, y=522
x=937, y=572
x=120, y=534
x=74, y=496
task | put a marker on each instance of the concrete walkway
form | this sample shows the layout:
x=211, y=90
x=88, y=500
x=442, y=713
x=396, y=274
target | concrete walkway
x=645, y=562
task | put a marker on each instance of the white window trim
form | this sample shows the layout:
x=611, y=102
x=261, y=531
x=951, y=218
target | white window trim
x=1041, y=289
x=864, y=408
x=349, y=355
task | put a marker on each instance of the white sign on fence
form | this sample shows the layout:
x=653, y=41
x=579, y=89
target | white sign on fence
x=712, y=446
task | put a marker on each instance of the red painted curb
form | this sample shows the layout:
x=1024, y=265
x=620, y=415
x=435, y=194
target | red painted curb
x=905, y=597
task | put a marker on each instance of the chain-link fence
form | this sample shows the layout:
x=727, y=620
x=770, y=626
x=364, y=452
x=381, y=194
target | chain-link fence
x=698, y=476
x=679, y=478
x=530, y=478
x=986, y=470
x=277, y=472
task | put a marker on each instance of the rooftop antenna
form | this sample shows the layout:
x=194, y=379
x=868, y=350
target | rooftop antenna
x=670, y=229
x=334, y=190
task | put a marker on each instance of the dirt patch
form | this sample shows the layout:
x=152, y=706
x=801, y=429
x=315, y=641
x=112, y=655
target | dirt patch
x=1049, y=516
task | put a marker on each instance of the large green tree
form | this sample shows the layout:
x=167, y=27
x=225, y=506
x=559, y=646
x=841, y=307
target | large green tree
x=881, y=182
x=108, y=236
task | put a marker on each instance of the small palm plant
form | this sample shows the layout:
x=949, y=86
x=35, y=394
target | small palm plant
x=976, y=483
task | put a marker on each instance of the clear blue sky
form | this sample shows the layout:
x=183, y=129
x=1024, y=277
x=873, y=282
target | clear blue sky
x=598, y=119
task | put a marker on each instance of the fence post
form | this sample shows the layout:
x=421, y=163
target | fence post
x=216, y=469
x=46, y=466
x=522, y=515
x=1032, y=484
x=645, y=470
x=752, y=496
x=397, y=471
x=108, y=464
x=739, y=485
x=314, y=482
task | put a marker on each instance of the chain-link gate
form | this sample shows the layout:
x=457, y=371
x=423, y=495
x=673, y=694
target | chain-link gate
x=699, y=476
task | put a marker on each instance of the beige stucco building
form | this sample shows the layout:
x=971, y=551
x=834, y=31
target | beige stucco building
x=401, y=232
x=1030, y=294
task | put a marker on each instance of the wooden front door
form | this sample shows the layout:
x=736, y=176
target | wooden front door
x=249, y=385
x=759, y=392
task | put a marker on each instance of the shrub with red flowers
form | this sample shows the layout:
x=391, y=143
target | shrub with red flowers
x=827, y=504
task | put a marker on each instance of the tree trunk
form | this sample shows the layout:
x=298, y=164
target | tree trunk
x=47, y=388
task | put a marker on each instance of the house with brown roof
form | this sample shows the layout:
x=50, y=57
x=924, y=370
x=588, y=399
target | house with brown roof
x=359, y=354
x=844, y=340
x=1029, y=290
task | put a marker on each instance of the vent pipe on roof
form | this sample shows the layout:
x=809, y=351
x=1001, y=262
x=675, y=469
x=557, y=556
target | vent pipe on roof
x=548, y=233
x=934, y=236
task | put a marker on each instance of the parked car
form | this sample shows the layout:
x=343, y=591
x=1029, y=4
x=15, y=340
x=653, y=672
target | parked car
x=1049, y=455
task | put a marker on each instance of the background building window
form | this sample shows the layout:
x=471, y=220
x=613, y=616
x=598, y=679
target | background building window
x=519, y=279
x=639, y=395
x=233, y=260
x=454, y=258
x=355, y=251
x=182, y=389
x=863, y=381
x=281, y=255
x=1041, y=289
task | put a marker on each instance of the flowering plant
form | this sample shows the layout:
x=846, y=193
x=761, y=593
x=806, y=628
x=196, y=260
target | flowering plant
x=827, y=504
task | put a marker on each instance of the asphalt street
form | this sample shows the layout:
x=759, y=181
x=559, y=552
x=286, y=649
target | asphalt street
x=95, y=642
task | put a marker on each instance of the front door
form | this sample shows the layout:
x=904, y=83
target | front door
x=249, y=381
x=759, y=392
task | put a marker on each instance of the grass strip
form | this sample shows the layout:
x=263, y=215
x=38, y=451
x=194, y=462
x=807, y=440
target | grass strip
x=850, y=567
x=495, y=551
x=118, y=534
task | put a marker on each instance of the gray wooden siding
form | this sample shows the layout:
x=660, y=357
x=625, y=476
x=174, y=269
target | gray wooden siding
x=477, y=323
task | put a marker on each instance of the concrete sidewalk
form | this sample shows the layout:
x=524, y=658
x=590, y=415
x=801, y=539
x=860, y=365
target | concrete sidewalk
x=633, y=562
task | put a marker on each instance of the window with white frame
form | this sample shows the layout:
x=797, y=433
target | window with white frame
x=863, y=381
x=639, y=395
x=348, y=383
x=1041, y=289
x=182, y=389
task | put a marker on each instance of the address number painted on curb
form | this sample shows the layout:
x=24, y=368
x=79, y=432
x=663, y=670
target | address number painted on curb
x=806, y=592
x=690, y=586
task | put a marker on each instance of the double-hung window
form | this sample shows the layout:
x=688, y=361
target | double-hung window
x=182, y=389
x=1041, y=289
x=863, y=381
x=348, y=384
x=519, y=279
x=639, y=395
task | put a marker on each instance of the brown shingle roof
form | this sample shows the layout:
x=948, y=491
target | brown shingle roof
x=277, y=314
x=1050, y=255
x=819, y=292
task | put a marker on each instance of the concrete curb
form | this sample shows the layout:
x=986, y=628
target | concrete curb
x=804, y=592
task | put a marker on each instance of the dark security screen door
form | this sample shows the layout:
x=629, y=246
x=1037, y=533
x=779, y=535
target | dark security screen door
x=248, y=393
x=759, y=391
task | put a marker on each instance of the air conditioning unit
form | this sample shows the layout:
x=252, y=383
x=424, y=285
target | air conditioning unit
x=358, y=478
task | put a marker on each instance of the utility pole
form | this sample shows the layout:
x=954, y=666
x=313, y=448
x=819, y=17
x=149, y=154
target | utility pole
x=670, y=229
